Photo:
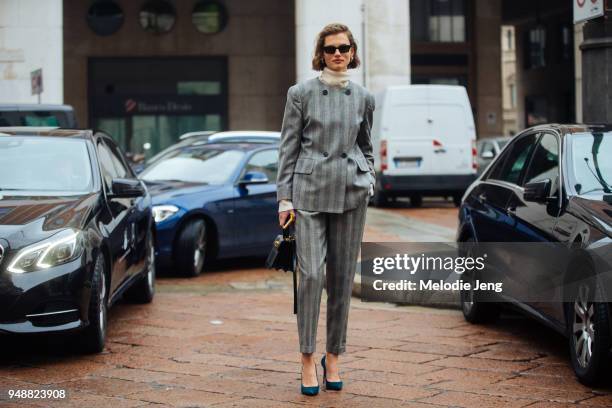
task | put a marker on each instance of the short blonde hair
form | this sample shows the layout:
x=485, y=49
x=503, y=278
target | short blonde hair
x=318, y=61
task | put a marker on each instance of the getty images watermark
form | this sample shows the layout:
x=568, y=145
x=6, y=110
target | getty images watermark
x=409, y=264
x=432, y=272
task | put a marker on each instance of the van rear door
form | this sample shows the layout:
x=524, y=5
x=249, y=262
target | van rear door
x=409, y=147
x=452, y=143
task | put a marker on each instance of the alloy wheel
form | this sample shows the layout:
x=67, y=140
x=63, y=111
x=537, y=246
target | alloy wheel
x=200, y=249
x=102, y=300
x=151, y=272
x=583, y=326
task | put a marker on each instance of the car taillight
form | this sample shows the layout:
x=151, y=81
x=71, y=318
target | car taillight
x=383, y=155
x=437, y=143
x=474, y=155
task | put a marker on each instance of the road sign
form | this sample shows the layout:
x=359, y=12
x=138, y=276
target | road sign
x=587, y=10
x=37, y=82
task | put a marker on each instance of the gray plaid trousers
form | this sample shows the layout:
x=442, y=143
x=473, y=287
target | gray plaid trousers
x=327, y=244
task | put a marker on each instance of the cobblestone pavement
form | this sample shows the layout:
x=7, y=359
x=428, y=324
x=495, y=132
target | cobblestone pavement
x=228, y=339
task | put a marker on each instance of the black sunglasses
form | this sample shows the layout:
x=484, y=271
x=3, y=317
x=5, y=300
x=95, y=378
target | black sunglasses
x=330, y=49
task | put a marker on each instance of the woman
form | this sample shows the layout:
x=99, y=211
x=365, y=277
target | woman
x=325, y=177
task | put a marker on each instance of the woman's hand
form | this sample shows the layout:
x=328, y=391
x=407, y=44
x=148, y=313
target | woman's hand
x=284, y=217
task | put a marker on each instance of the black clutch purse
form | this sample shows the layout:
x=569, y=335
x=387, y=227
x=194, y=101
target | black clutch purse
x=283, y=256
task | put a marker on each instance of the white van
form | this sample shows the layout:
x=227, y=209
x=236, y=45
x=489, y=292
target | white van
x=424, y=143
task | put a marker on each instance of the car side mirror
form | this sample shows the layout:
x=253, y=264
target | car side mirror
x=254, y=177
x=127, y=188
x=538, y=191
x=487, y=154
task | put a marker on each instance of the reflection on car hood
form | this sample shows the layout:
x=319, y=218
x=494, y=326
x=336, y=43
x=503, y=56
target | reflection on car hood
x=168, y=189
x=596, y=206
x=26, y=219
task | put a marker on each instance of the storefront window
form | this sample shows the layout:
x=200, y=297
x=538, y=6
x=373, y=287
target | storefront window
x=438, y=20
x=209, y=17
x=157, y=16
x=105, y=17
x=536, y=48
x=199, y=88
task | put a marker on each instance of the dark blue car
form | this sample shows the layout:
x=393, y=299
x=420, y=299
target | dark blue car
x=213, y=201
x=550, y=187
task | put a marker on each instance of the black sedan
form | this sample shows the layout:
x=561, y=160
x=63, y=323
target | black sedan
x=76, y=232
x=550, y=187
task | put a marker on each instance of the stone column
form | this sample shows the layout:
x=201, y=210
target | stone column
x=387, y=43
x=380, y=27
x=597, y=70
x=310, y=17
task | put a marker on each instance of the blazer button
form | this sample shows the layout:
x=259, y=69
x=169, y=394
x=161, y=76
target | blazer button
x=325, y=154
x=325, y=92
x=343, y=155
x=348, y=92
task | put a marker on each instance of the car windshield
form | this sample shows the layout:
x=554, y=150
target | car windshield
x=44, y=164
x=502, y=143
x=200, y=164
x=591, y=164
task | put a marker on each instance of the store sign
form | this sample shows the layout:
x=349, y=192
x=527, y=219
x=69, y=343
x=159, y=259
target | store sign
x=134, y=106
x=587, y=9
x=36, y=81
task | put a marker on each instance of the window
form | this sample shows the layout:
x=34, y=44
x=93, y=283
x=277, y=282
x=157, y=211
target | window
x=536, y=48
x=545, y=163
x=513, y=95
x=198, y=88
x=514, y=160
x=438, y=20
x=439, y=80
x=120, y=168
x=567, y=43
x=509, y=40
x=265, y=162
x=105, y=17
x=209, y=17
x=157, y=16
x=106, y=163
x=487, y=147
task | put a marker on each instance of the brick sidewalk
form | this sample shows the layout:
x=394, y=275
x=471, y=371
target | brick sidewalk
x=205, y=343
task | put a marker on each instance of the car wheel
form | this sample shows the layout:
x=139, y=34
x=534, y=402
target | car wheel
x=589, y=339
x=191, y=248
x=474, y=309
x=93, y=336
x=143, y=290
x=416, y=200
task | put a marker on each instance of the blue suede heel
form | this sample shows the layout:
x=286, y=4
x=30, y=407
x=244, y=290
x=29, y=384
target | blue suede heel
x=330, y=385
x=310, y=391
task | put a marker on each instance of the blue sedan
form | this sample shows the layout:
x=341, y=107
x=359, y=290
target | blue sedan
x=213, y=201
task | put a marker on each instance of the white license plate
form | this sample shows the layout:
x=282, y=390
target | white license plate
x=407, y=164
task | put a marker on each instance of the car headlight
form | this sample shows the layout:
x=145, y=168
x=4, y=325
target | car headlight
x=63, y=247
x=163, y=212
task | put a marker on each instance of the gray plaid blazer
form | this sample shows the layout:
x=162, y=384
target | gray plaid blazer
x=325, y=158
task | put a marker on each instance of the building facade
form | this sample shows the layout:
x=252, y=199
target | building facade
x=151, y=70
x=31, y=39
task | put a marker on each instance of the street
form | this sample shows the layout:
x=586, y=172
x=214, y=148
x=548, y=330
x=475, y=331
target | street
x=228, y=339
